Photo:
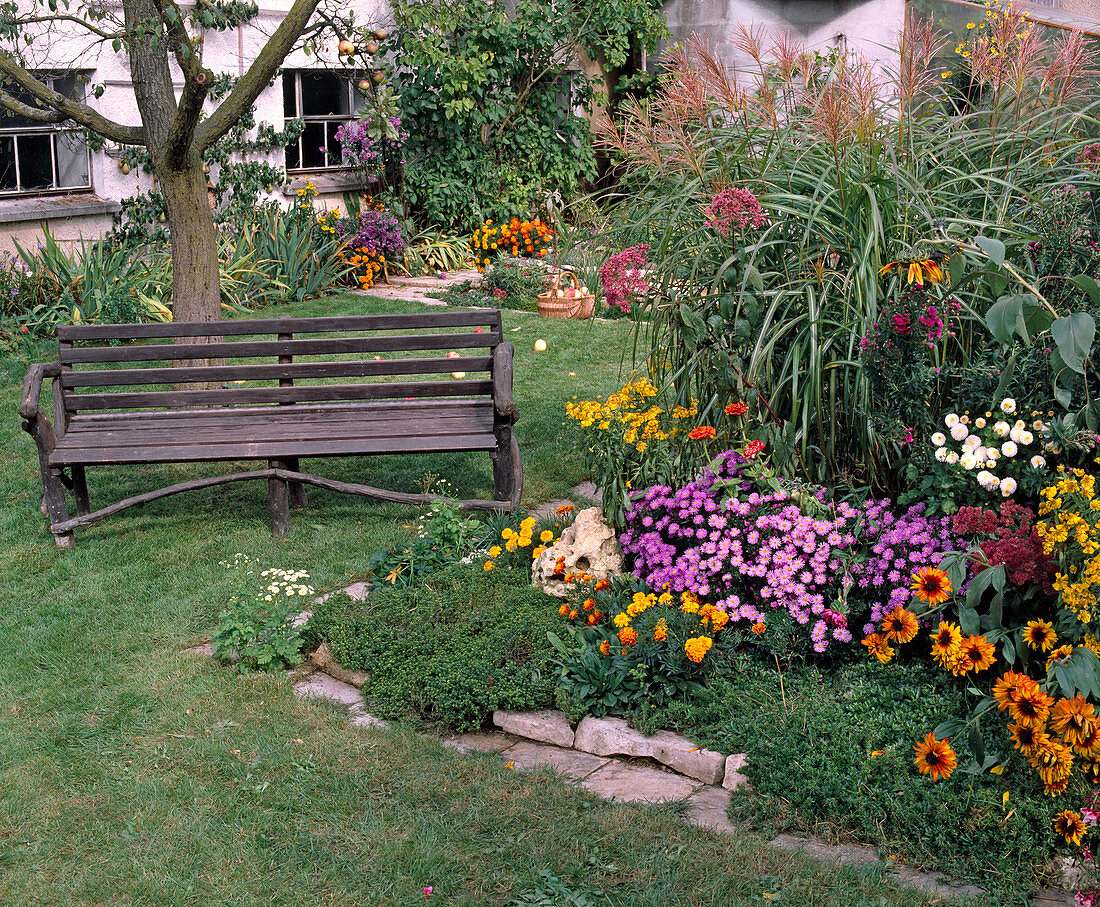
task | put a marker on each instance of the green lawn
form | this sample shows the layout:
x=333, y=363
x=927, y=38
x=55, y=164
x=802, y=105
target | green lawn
x=133, y=774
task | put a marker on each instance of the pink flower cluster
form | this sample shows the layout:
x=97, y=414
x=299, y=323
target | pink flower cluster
x=623, y=276
x=736, y=209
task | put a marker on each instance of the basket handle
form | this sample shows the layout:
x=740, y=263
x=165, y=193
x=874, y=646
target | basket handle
x=564, y=272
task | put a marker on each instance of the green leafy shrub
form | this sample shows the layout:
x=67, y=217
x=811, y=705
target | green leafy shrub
x=463, y=643
x=257, y=626
x=834, y=749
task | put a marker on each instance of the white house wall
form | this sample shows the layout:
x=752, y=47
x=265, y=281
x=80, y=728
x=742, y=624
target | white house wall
x=77, y=216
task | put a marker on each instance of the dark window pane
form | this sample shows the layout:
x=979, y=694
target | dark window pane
x=35, y=163
x=335, y=156
x=313, y=145
x=7, y=163
x=71, y=86
x=324, y=94
x=293, y=156
x=72, y=160
x=290, y=102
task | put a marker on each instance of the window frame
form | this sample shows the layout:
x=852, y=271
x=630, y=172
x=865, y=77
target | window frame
x=52, y=131
x=355, y=103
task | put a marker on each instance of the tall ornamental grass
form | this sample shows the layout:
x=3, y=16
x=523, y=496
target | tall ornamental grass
x=855, y=166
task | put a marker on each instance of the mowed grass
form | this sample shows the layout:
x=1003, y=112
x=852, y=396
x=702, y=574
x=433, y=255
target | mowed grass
x=134, y=773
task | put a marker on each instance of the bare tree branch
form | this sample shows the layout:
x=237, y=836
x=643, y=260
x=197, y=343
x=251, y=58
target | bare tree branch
x=76, y=20
x=178, y=38
x=71, y=109
x=259, y=74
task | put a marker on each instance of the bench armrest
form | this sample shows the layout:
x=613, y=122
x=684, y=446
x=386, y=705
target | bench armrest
x=32, y=386
x=502, y=381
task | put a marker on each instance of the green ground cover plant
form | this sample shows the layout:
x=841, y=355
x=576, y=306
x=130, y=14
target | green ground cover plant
x=454, y=647
x=131, y=771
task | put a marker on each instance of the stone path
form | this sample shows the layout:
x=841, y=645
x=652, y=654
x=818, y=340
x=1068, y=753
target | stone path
x=639, y=781
x=416, y=289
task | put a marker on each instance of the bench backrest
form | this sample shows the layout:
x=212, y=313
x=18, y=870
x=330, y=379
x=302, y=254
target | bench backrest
x=276, y=361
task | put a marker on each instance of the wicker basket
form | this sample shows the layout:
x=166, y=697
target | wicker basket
x=580, y=305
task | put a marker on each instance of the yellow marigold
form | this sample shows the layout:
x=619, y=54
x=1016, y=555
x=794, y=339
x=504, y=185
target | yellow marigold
x=495, y=551
x=546, y=535
x=622, y=619
x=697, y=647
x=660, y=632
x=488, y=565
x=628, y=636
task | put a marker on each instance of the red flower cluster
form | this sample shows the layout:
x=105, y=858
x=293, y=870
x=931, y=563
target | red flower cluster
x=1012, y=541
x=752, y=449
x=736, y=209
x=701, y=433
x=736, y=409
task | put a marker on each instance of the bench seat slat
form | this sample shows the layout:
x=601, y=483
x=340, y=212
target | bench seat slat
x=269, y=372
x=188, y=433
x=328, y=412
x=433, y=320
x=327, y=346
x=245, y=450
x=300, y=393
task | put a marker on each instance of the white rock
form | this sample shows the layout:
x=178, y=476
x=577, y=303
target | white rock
x=546, y=725
x=590, y=545
x=613, y=736
x=733, y=778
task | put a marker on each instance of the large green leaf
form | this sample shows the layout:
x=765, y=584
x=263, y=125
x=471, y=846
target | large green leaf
x=1074, y=335
x=994, y=249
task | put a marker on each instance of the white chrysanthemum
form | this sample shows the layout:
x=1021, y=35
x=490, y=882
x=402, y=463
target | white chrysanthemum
x=979, y=422
x=1001, y=429
x=1008, y=405
x=1020, y=424
x=1038, y=462
x=965, y=420
x=1008, y=486
x=951, y=420
x=983, y=478
x=959, y=431
x=1009, y=449
x=941, y=454
x=1015, y=434
x=1038, y=425
x=939, y=439
x=972, y=443
x=968, y=461
x=1026, y=437
x=991, y=453
x=952, y=458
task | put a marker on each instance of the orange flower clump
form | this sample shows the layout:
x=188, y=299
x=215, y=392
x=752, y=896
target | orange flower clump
x=934, y=757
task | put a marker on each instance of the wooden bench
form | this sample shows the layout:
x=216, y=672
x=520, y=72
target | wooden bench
x=290, y=388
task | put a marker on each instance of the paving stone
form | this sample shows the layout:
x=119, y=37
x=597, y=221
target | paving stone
x=358, y=591
x=732, y=778
x=588, y=491
x=359, y=718
x=549, y=509
x=1052, y=897
x=854, y=855
x=321, y=686
x=545, y=725
x=205, y=649
x=613, y=736
x=528, y=756
x=480, y=742
x=707, y=809
x=638, y=784
x=322, y=659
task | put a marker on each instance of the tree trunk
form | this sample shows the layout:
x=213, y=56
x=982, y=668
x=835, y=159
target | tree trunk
x=196, y=290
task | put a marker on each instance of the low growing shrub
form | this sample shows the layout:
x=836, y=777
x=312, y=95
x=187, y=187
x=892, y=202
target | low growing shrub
x=463, y=643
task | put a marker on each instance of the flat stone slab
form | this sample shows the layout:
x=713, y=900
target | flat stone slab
x=732, y=778
x=1053, y=897
x=482, y=742
x=613, y=736
x=855, y=855
x=638, y=784
x=321, y=686
x=707, y=809
x=588, y=491
x=359, y=718
x=526, y=756
x=546, y=725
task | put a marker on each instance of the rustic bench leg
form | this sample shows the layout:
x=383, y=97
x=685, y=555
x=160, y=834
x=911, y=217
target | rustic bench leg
x=507, y=469
x=80, y=491
x=297, y=489
x=56, y=506
x=279, y=498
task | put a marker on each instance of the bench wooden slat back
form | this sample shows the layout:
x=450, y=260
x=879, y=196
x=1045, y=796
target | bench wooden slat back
x=98, y=376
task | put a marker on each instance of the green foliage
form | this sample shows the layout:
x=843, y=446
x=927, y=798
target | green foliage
x=835, y=748
x=489, y=107
x=463, y=643
x=511, y=283
x=848, y=187
x=256, y=628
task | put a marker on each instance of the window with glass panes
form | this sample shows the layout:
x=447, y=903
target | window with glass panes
x=43, y=157
x=325, y=101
